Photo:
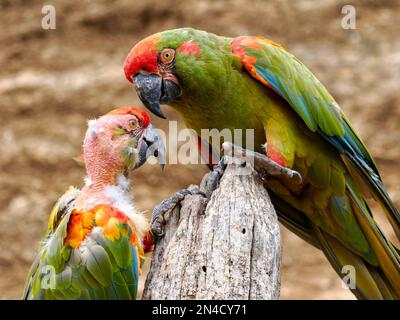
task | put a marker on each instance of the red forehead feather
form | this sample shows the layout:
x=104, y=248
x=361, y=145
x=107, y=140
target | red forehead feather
x=143, y=56
x=143, y=116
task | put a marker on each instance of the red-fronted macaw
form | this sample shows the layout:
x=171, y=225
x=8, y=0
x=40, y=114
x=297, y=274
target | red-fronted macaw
x=95, y=240
x=251, y=82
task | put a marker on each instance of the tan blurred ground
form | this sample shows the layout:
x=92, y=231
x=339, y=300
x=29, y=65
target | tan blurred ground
x=52, y=81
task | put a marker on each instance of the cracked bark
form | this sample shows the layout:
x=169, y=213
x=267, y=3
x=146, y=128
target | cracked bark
x=228, y=248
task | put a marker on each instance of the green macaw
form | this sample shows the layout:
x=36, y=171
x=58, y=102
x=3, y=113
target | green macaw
x=251, y=82
x=95, y=241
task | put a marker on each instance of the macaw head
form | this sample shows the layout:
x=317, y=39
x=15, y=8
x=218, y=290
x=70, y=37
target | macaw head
x=177, y=66
x=120, y=140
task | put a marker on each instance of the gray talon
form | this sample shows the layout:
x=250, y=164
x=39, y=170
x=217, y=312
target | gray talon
x=213, y=178
x=158, y=220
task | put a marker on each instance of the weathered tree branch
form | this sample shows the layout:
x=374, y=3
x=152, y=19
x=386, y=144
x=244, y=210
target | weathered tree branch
x=226, y=248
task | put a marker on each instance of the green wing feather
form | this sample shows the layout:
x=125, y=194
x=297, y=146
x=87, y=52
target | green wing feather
x=338, y=211
x=99, y=269
x=272, y=65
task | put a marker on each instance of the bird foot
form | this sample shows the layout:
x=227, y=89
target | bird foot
x=158, y=220
x=265, y=167
x=211, y=181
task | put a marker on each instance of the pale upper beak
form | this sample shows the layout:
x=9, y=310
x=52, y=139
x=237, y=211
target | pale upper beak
x=151, y=145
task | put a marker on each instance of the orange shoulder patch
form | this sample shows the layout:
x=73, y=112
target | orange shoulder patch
x=79, y=225
x=113, y=222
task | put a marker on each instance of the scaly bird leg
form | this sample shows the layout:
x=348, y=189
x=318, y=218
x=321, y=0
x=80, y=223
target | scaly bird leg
x=208, y=185
x=211, y=181
x=158, y=219
x=267, y=167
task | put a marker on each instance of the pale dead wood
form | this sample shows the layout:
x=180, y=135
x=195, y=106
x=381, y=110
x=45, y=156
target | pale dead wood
x=226, y=248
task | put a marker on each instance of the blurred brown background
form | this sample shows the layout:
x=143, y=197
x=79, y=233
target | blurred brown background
x=52, y=81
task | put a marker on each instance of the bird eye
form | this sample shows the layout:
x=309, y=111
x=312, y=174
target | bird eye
x=133, y=123
x=167, y=55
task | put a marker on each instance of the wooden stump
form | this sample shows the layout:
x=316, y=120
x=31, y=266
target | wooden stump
x=228, y=248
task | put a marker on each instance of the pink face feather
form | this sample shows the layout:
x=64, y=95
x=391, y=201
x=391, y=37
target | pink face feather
x=106, y=139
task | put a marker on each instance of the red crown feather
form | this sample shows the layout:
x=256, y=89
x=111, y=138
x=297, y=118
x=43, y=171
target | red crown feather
x=139, y=113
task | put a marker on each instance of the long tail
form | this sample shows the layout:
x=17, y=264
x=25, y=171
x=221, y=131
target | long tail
x=381, y=281
x=367, y=282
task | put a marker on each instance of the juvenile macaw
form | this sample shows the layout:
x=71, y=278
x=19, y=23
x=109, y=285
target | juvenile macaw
x=95, y=241
x=251, y=82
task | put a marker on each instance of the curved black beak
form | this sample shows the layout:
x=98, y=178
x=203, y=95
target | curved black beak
x=151, y=145
x=153, y=90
